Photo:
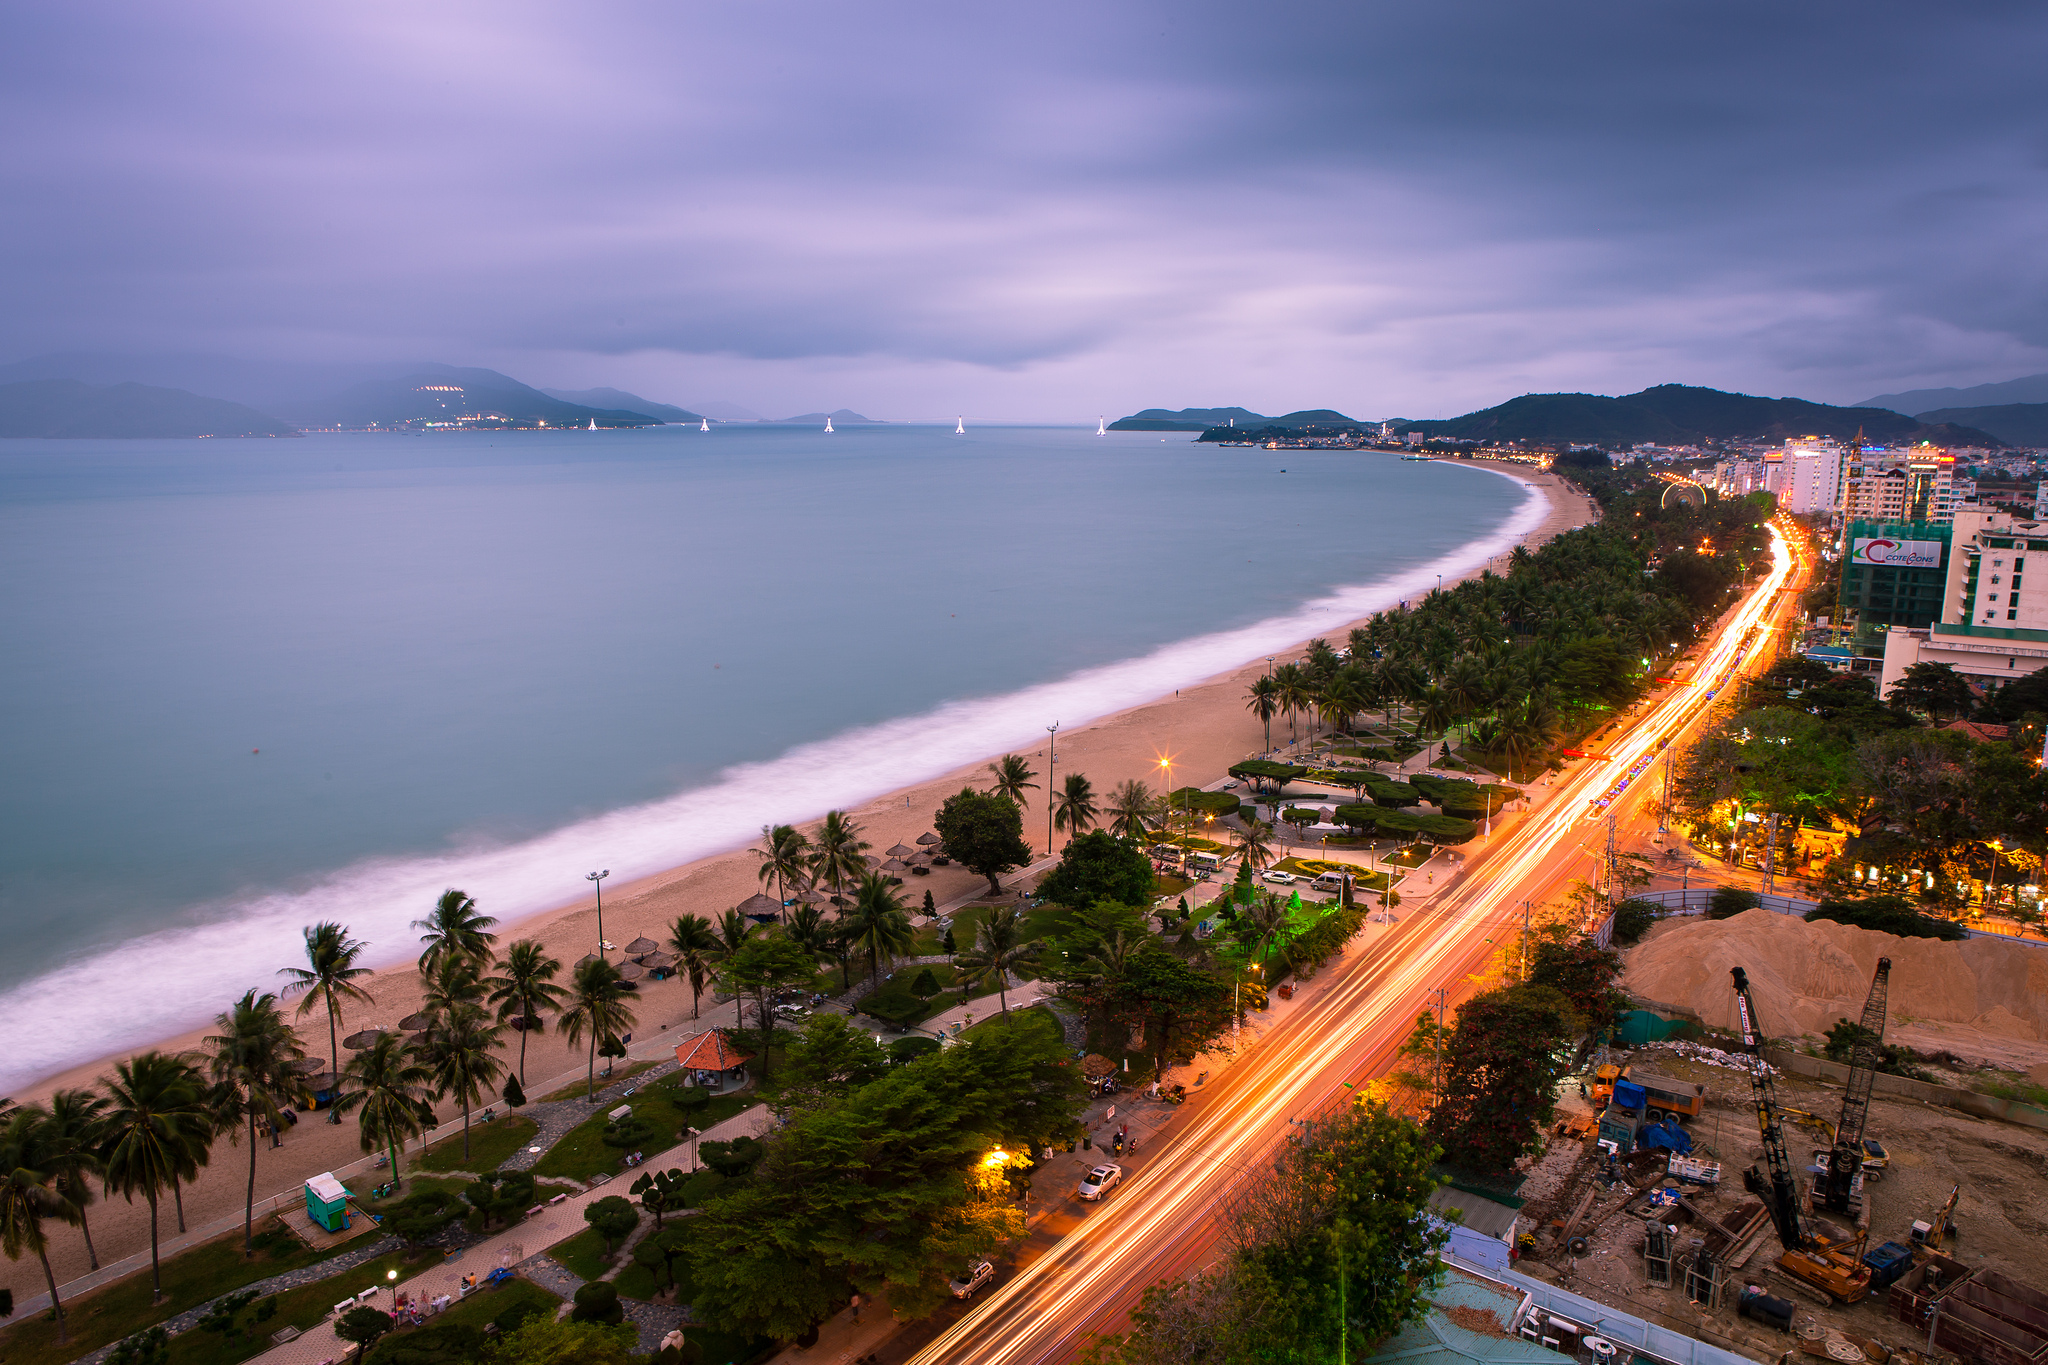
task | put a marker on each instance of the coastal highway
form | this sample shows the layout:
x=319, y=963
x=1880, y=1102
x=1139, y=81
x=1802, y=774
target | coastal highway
x=1162, y=1223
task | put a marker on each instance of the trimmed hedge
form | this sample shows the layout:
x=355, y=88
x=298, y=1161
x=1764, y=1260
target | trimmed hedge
x=1206, y=803
x=1259, y=772
x=1460, y=797
x=1438, y=829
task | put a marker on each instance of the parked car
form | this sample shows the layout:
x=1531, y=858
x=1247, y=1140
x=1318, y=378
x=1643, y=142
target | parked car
x=978, y=1274
x=1277, y=877
x=1101, y=1181
x=1231, y=785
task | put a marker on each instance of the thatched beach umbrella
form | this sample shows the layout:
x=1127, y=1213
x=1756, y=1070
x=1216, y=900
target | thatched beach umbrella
x=308, y=1064
x=632, y=971
x=872, y=861
x=895, y=865
x=641, y=947
x=587, y=957
x=356, y=1042
x=815, y=897
x=927, y=839
x=658, y=962
x=901, y=850
x=761, y=909
x=413, y=1023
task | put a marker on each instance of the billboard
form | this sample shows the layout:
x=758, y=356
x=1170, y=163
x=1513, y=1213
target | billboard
x=1896, y=554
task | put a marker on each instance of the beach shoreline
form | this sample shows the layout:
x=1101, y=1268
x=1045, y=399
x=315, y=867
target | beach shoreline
x=1201, y=729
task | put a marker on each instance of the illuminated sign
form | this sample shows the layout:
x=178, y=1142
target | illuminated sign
x=1898, y=554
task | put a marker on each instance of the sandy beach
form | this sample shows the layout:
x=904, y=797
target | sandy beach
x=1201, y=729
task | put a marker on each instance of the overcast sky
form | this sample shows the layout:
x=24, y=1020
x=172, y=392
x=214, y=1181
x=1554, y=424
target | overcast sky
x=1046, y=210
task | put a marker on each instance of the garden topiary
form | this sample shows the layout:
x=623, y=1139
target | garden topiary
x=598, y=1301
x=733, y=1160
x=436, y=1344
x=515, y=1096
x=629, y=1133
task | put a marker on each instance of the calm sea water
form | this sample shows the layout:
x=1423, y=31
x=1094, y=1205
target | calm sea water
x=245, y=685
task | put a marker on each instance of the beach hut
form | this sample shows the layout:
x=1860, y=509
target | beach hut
x=761, y=909
x=327, y=1202
x=707, y=1059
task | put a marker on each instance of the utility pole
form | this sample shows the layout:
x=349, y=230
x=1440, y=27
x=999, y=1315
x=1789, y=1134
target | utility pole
x=1051, y=757
x=1613, y=859
x=1525, y=943
x=1436, y=1077
x=1770, y=853
x=597, y=880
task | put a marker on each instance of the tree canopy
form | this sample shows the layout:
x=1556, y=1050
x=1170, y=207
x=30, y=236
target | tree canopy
x=984, y=832
x=1099, y=866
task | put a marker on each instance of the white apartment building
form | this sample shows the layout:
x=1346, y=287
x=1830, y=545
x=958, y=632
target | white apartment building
x=1809, y=478
x=1892, y=485
x=1993, y=628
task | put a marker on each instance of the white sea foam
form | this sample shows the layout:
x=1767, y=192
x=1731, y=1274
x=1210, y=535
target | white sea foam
x=177, y=978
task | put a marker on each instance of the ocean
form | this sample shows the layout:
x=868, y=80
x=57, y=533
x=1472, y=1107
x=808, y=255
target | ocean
x=247, y=685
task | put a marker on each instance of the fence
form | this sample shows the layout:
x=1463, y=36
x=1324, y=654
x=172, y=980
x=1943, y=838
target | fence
x=1694, y=901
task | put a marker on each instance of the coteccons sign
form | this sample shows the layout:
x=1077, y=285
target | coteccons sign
x=1896, y=554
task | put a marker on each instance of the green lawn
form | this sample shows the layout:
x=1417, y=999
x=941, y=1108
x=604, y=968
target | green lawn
x=300, y=1308
x=637, y=1281
x=489, y=1145
x=582, y=1154
x=582, y=1255
x=1037, y=1019
x=122, y=1308
x=361, y=1185
x=578, y=1090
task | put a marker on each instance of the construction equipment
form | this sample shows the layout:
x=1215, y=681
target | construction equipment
x=1931, y=1237
x=1847, y=1157
x=1825, y=1127
x=1810, y=1258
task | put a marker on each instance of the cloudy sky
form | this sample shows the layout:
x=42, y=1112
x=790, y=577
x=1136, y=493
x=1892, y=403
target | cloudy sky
x=1046, y=210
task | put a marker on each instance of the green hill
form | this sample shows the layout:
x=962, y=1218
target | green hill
x=2019, y=424
x=70, y=408
x=1187, y=419
x=446, y=393
x=1678, y=414
x=620, y=400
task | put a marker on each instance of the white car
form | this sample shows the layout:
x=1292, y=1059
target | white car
x=1277, y=877
x=1231, y=786
x=1101, y=1181
x=978, y=1274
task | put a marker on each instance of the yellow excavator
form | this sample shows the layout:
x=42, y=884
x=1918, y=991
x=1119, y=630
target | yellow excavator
x=1836, y=1269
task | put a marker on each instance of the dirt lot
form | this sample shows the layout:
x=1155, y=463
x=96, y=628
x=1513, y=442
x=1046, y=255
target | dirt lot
x=2001, y=1215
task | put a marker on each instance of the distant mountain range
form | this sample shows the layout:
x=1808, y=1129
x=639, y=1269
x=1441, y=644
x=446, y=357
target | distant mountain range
x=841, y=417
x=2017, y=424
x=71, y=408
x=451, y=393
x=1680, y=414
x=2031, y=389
x=1187, y=419
x=622, y=401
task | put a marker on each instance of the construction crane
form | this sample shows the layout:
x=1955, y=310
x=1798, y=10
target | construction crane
x=1847, y=1157
x=1809, y=1257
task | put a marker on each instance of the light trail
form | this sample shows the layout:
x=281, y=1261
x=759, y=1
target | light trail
x=1160, y=1222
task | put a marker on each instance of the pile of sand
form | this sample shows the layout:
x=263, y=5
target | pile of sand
x=1806, y=976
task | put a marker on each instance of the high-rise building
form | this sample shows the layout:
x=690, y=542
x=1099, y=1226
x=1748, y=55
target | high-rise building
x=1889, y=485
x=1809, y=479
x=1992, y=627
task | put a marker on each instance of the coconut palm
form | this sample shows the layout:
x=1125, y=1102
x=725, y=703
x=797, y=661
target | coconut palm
x=1263, y=701
x=452, y=982
x=328, y=978
x=523, y=987
x=808, y=930
x=461, y=1052
x=1133, y=810
x=1073, y=809
x=250, y=1061
x=77, y=1125
x=999, y=948
x=29, y=1195
x=1293, y=691
x=1435, y=711
x=597, y=1008
x=697, y=951
x=154, y=1118
x=878, y=924
x=839, y=851
x=1255, y=843
x=1342, y=697
x=731, y=932
x=390, y=1086
x=1012, y=778
x=455, y=929
x=1266, y=916
x=786, y=859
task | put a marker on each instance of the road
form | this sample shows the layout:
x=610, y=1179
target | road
x=1162, y=1223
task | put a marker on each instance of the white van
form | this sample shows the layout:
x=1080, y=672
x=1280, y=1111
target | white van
x=1331, y=881
x=1207, y=862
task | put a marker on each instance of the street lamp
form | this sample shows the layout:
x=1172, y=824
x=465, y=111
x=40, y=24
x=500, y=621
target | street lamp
x=596, y=879
x=1236, y=1013
x=1051, y=760
x=1167, y=765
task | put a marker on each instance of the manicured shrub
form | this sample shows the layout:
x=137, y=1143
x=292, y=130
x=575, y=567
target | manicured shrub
x=598, y=1301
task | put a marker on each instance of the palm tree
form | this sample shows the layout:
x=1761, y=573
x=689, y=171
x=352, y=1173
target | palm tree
x=328, y=977
x=1255, y=843
x=1435, y=711
x=29, y=1197
x=77, y=1125
x=1012, y=778
x=1292, y=691
x=1133, y=809
x=452, y=982
x=251, y=1062
x=697, y=951
x=732, y=932
x=786, y=860
x=597, y=1007
x=461, y=1052
x=389, y=1085
x=1343, y=697
x=154, y=1116
x=1263, y=701
x=523, y=988
x=998, y=948
x=839, y=849
x=455, y=929
x=1265, y=916
x=1074, y=807
x=808, y=930
x=878, y=924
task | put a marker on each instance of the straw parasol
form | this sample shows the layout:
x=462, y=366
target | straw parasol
x=815, y=897
x=413, y=1023
x=927, y=839
x=309, y=1064
x=871, y=860
x=658, y=962
x=368, y=1037
x=632, y=971
x=895, y=865
x=587, y=957
x=323, y=1083
x=641, y=947
x=759, y=907
x=901, y=850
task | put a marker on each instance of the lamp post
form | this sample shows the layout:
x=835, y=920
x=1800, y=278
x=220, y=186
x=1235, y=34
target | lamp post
x=1051, y=760
x=1236, y=1012
x=1167, y=765
x=596, y=879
